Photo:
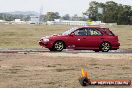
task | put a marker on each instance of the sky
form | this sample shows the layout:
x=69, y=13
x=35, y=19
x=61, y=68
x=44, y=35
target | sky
x=62, y=6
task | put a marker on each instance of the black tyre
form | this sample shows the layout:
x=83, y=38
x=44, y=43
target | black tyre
x=58, y=46
x=84, y=81
x=96, y=50
x=51, y=49
x=105, y=47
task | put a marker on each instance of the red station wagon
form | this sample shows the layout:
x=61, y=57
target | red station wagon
x=83, y=38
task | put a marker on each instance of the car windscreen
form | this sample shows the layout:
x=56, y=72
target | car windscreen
x=69, y=31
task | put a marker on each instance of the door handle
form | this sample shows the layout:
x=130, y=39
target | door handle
x=102, y=38
x=84, y=38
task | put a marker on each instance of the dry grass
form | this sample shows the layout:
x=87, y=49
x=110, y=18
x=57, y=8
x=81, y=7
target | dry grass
x=58, y=70
x=125, y=35
x=27, y=36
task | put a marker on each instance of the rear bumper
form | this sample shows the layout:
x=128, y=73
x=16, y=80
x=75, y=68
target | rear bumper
x=115, y=46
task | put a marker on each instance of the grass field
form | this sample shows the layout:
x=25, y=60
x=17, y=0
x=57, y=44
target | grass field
x=27, y=36
x=58, y=70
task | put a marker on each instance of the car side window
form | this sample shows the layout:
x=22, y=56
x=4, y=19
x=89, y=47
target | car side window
x=94, y=32
x=81, y=32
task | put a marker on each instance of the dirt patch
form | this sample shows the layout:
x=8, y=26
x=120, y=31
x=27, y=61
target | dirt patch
x=59, y=70
x=62, y=70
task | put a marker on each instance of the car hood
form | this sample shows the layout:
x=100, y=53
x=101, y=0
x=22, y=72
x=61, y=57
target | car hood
x=54, y=35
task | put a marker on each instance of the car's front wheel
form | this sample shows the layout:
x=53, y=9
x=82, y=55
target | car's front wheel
x=58, y=46
x=105, y=47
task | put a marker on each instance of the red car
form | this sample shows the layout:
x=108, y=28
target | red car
x=83, y=38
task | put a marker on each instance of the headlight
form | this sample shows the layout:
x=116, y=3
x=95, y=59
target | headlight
x=46, y=40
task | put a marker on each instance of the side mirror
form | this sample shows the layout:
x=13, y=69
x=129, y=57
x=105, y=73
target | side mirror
x=72, y=34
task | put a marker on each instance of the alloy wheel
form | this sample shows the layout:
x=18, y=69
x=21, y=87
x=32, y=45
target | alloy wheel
x=105, y=47
x=59, y=46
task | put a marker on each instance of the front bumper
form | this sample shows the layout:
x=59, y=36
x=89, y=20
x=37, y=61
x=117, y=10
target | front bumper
x=46, y=44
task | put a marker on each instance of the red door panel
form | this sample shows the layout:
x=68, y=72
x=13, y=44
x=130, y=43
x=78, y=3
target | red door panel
x=93, y=42
x=77, y=42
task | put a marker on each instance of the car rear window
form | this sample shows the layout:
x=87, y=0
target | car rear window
x=107, y=31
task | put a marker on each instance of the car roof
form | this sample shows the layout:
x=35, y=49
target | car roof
x=92, y=27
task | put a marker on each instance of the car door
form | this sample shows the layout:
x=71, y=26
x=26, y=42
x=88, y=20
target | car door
x=94, y=38
x=78, y=41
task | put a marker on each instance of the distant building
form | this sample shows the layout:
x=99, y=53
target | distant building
x=67, y=22
x=34, y=20
x=17, y=20
x=1, y=21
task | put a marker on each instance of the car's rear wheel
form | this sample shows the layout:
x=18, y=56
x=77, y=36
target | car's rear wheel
x=59, y=46
x=96, y=50
x=51, y=49
x=105, y=47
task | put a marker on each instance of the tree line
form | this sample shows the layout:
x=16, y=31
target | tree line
x=49, y=16
x=12, y=17
x=110, y=12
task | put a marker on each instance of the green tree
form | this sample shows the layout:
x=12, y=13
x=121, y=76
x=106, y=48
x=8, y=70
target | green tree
x=93, y=12
x=50, y=16
x=111, y=12
x=66, y=17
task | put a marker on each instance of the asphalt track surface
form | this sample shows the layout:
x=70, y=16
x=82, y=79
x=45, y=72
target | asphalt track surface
x=44, y=50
